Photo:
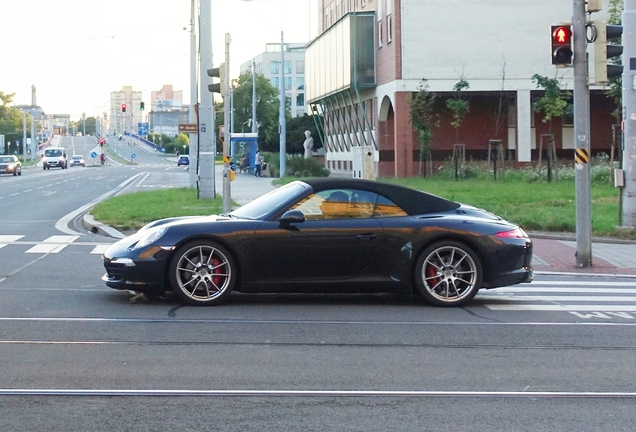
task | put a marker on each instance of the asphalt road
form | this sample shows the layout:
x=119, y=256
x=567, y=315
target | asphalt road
x=557, y=354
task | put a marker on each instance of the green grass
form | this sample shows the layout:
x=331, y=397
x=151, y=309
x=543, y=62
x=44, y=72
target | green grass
x=536, y=206
x=134, y=210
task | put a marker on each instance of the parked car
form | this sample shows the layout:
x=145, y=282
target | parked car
x=183, y=160
x=326, y=235
x=10, y=164
x=54, y=158
x=78, y=160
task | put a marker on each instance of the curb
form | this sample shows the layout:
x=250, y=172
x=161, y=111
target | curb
x=99, y=228
x=572, y=237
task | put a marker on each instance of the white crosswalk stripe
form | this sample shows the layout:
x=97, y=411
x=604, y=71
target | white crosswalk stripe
x=52, y=245
x=563, y=296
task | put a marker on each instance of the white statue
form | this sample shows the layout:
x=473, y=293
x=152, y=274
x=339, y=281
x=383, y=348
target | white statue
x=308, y=144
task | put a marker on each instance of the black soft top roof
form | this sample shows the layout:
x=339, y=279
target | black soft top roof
x=414, y=202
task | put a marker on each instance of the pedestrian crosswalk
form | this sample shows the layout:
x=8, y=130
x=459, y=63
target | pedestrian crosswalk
x=53, y=244
x=564, y=296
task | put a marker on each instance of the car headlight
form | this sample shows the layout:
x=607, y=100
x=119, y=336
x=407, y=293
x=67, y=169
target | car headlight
x=151, y=236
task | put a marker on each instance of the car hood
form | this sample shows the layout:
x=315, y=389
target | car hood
x=181, y=220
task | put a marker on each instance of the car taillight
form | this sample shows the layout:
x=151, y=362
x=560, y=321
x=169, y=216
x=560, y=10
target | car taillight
x=515, y=233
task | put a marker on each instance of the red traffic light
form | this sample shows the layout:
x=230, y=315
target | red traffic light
x=561, y=35
x=561, y=45
x=123, y=107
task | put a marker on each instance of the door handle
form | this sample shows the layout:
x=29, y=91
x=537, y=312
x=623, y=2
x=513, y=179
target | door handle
x=366, y=237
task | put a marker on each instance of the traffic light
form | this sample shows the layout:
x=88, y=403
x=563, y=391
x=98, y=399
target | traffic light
x=101, y=142
x=562, y=45
x=142, y=106
x=218, y=72
x=602, y=51
x=123, y=107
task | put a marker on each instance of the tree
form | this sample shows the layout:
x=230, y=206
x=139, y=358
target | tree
x=10, y=118
x=615, y=84
x=554, y=101
x=424, y=119
x=458, y=106
x=267, y=104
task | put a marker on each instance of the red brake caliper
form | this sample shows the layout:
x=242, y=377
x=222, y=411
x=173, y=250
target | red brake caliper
x=217, y=279
x=430, y=272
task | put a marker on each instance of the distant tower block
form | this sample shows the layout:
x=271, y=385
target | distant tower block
x=33, y=98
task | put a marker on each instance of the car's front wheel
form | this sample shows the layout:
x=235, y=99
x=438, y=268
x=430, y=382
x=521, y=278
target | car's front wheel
x=202, y=273
x=448, y=273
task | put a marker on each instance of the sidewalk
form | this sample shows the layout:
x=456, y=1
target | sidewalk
x=554, y=253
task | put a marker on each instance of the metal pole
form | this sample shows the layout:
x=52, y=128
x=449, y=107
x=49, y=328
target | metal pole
x=24, y=138
x=32, y=146
x=192, y=152
x=582, y=139
x=629, y=113
x=226, y=124
x=207, y=128
x=254, y=127
x=281, y=115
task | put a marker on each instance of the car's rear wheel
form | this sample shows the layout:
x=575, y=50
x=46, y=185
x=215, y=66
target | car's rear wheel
x=448, y=273
x=202, y=273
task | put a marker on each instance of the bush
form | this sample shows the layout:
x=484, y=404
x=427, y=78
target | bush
x=298, y=166
x=601, y=171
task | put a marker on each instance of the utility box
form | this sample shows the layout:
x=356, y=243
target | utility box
x=594, y=5
x=363, y=165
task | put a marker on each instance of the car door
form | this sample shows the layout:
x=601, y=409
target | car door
x=338, y=241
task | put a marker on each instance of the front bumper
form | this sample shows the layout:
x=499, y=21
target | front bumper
x=7, y=169
x=142, y=271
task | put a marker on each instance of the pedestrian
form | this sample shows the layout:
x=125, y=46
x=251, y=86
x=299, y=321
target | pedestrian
x=258, y=161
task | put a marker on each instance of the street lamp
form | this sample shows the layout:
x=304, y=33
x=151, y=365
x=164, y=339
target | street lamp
x=281, y=86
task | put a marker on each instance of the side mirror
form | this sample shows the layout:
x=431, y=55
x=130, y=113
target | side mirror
x=292, y=216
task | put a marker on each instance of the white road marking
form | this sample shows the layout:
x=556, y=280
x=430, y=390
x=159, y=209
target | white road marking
x=100, y=249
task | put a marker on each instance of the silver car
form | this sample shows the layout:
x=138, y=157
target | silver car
x=10, y=164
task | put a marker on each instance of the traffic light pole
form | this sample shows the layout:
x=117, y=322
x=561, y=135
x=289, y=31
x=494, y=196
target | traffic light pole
x=629, y=113
x=226, y=120
x=192, y=117
x=581, y=138
x=207, y=128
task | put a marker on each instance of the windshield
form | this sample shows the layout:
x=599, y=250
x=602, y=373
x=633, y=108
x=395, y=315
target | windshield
x=6, y=159
x=263, y=205
x=53, y=153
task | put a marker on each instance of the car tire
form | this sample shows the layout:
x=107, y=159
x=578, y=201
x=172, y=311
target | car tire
x=448, y=273
x=202, y=273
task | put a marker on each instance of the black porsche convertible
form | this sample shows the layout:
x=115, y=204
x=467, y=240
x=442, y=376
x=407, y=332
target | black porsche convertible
x=326, y=235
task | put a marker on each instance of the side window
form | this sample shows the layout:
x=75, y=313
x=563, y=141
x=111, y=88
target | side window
x=338, y=204
x=387, y=208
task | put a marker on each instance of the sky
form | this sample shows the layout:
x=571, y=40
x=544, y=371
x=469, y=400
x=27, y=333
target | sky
x=75, y=52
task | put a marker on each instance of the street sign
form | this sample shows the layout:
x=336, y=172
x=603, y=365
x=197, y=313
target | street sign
x=188, y=127
x=93, y=155
x=132, y=156
x=142, y=129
